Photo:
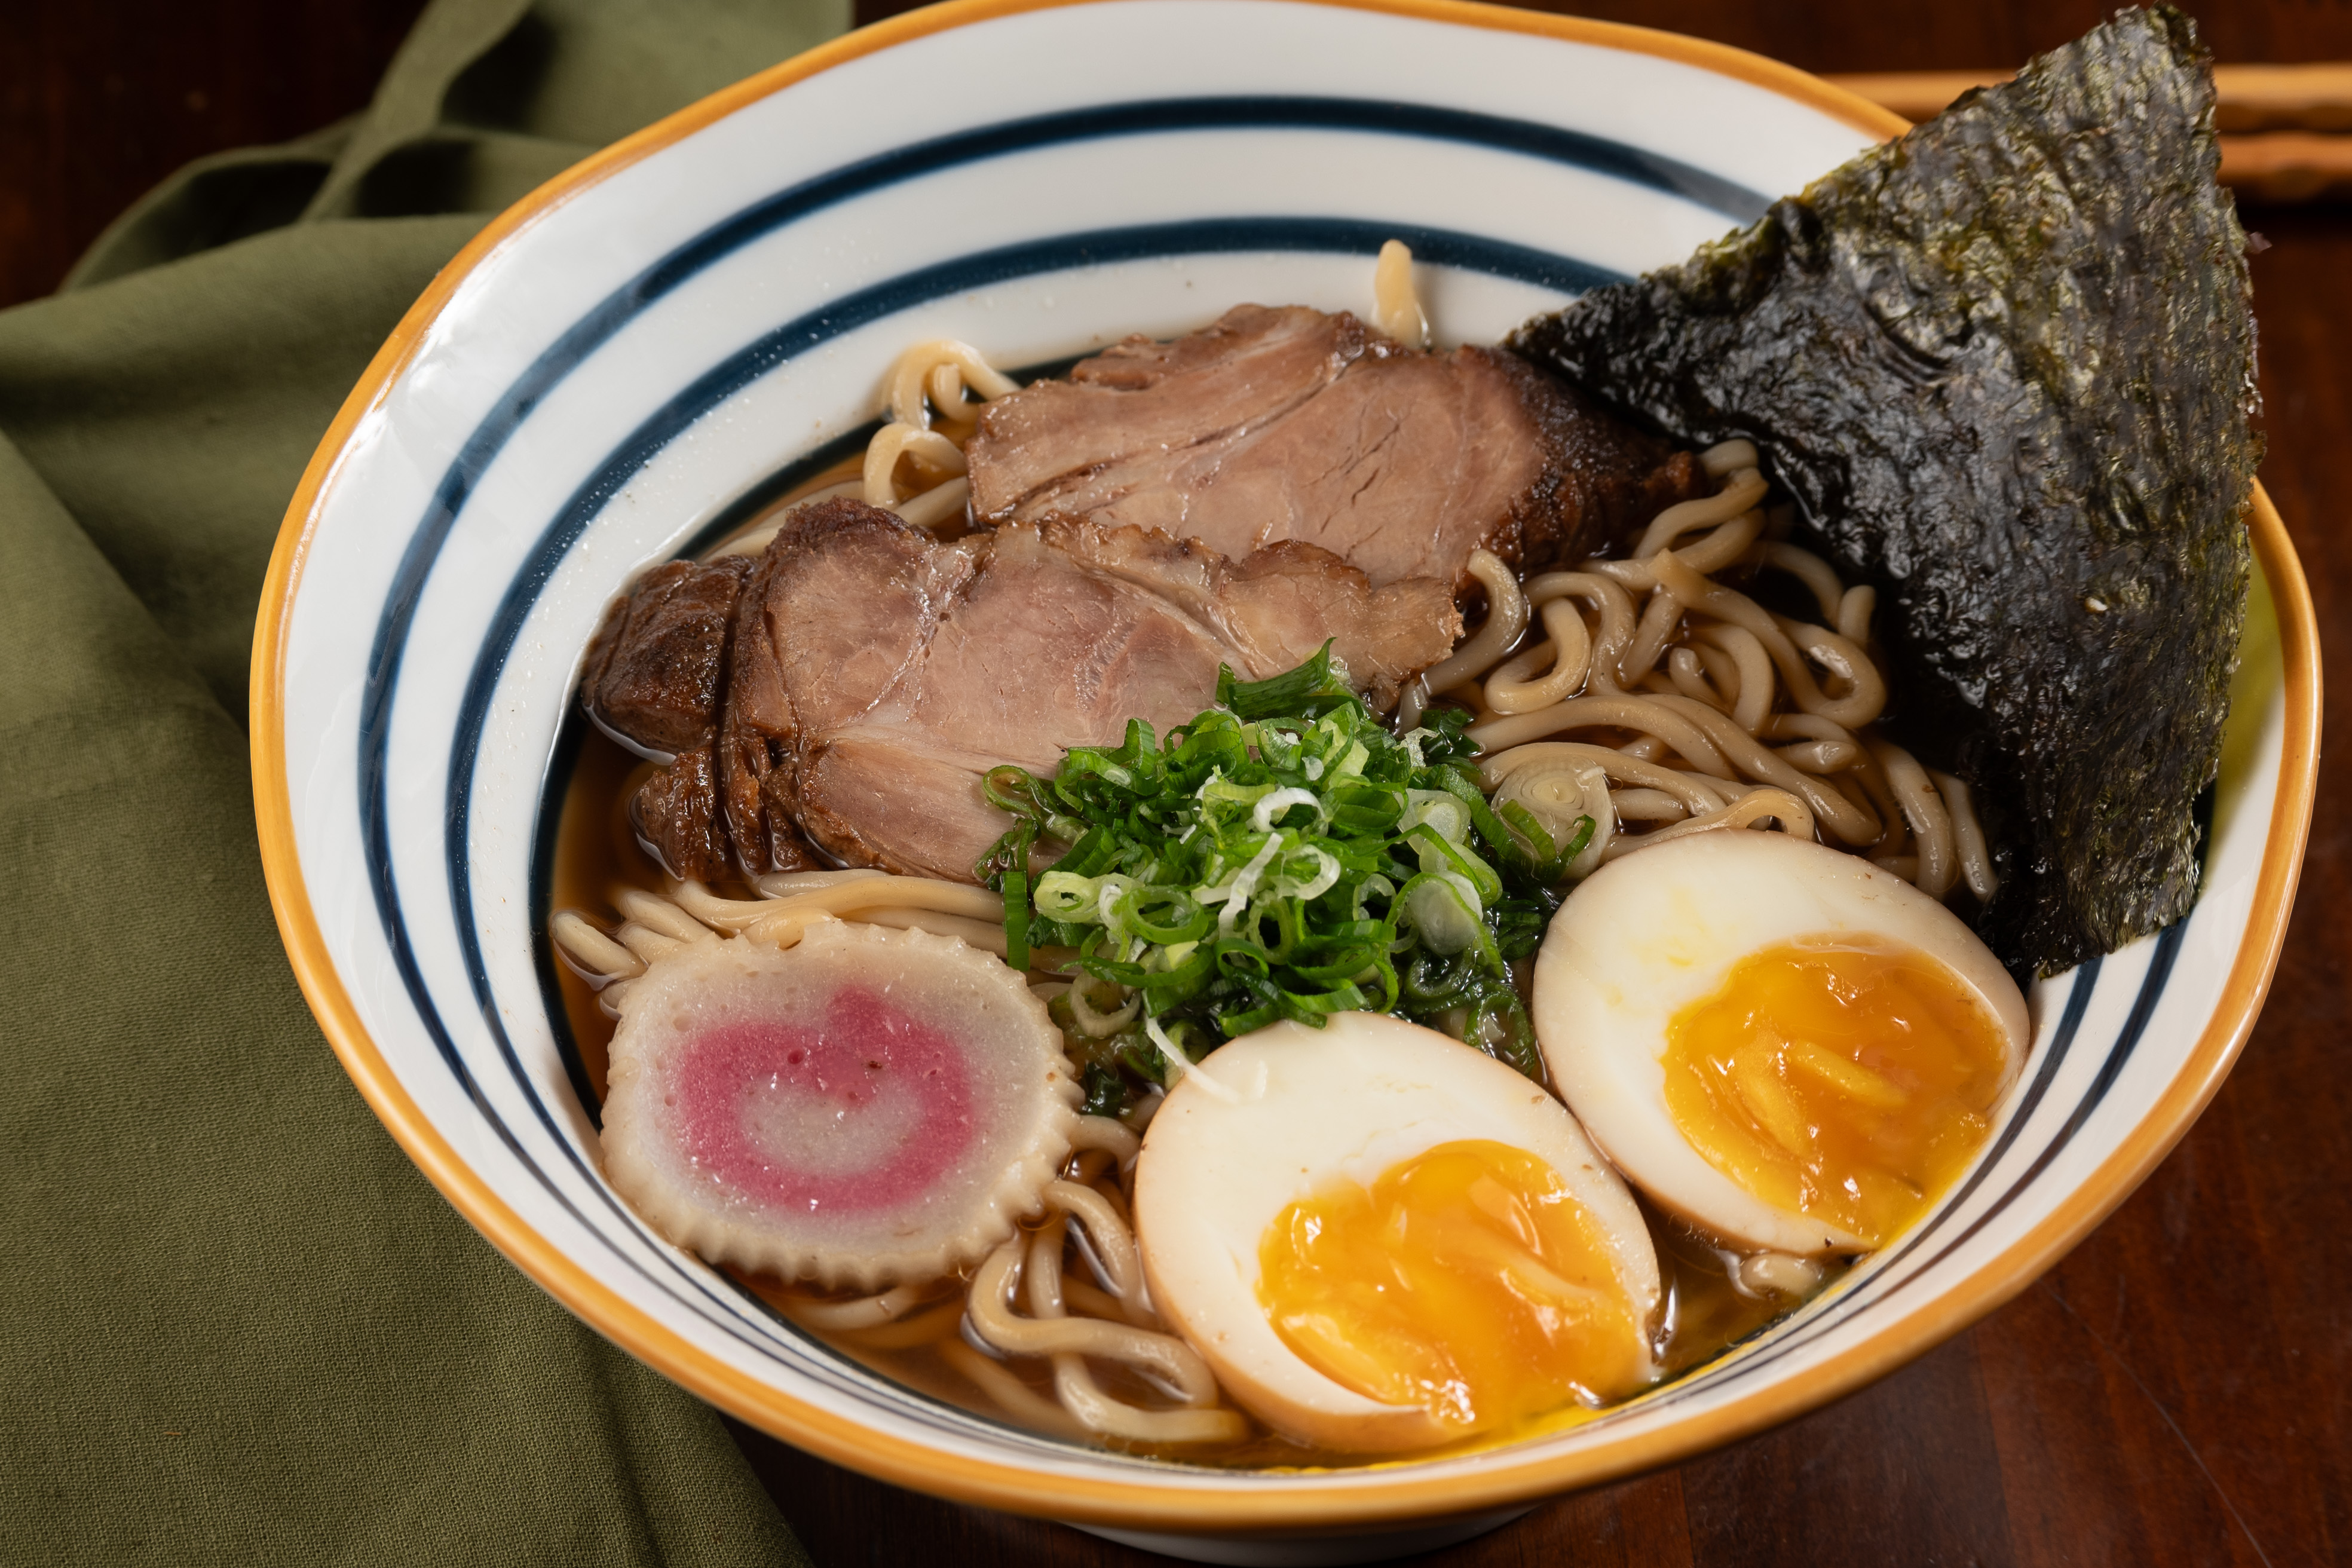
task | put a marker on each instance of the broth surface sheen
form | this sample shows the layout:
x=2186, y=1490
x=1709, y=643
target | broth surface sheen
x=1705, y=1311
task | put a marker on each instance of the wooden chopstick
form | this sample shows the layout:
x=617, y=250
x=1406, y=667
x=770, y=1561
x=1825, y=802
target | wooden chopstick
x=2253, y=98
x=2286, y=129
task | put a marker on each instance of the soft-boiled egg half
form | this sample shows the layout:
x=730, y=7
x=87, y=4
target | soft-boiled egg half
x=1781, y=1043
x=1382, y=1239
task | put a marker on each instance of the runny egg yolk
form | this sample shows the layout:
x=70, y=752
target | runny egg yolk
x=1467, y=1281
x=1852, y=1082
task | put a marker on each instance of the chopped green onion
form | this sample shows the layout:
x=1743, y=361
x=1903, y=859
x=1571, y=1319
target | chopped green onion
x=1280, y=857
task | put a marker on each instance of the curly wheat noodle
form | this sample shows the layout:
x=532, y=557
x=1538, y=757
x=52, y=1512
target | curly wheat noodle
x=1728, y=664
x=724, y=914
x=942, y=368
x=1109, y=1135
x=937, y=505
x=1645, y=806
x=1820, y=757
x=1728, y=457
x=946, y=909
x=1109, y=1242
x=1742, y=493
x=1640, y=576
x=1967, y=836
x=925, y=1328
x=928, y=382
x=1513, y=688
x=859, y=1312
x=1869, y=778
x=1844, y=658
x=1756, y=805
x=1792, y=726
x=1732, y=543
x=1656, y=682
x=1853, y=614
x=895, y=442
x=1083, y=1398
x=786, y=884
x=1160, y=1358
x=735, y=914
x=782, y=921
x=596, y=956
x=1761, y=763
x=1837, y=749
x=1506, y=617
x=1741, y=668
x=1690, y=677
x=989, y=1308
x=646, y=943
x=1709, y=667
x=653, y=910
x=1811, y=570
x=1691, y=795
x=1413, y=701
x=1089, y=1300
x=1646, y=714
x=981, y=934
x=1609, y=601
x=1922, y=810
x=1867, y=692
x=1661, y=618
x=1012, y=1396
x=1396, y=306
x=1093, y=1172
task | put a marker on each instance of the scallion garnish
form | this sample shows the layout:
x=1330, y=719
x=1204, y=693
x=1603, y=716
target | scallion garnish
x=1281, y=856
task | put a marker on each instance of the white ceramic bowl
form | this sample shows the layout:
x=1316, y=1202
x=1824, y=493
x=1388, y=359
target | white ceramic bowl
x=655, y=343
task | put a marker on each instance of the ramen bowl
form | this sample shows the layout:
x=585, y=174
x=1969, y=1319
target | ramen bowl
x=654, y=347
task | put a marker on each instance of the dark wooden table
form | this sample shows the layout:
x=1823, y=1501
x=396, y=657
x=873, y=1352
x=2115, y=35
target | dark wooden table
x=2177, y=1391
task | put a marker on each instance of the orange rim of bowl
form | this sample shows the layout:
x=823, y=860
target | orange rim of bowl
x=1198, y=1505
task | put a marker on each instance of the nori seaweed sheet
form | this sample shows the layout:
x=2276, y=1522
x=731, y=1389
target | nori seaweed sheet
x=2005, y=367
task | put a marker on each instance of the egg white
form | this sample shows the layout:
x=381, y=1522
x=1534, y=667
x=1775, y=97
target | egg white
x=1652, y=932
x=1291, y=1110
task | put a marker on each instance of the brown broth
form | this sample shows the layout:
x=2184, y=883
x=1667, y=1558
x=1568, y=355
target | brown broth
x=596, y=852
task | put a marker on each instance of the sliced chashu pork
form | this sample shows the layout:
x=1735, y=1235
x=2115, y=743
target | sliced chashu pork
x=656, y=679
x=1290, y=423
x=656, y=666
x=879, y=673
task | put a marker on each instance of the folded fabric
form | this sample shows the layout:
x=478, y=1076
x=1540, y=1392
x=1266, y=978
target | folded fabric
x=235, y=1325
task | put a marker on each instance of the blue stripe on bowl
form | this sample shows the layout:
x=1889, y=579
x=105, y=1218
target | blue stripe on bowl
x=1330, y=235
x=1611, y=159
x=569, y=735
x=1247, y=235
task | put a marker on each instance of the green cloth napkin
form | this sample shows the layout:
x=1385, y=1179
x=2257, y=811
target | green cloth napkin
x=235, y=1325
